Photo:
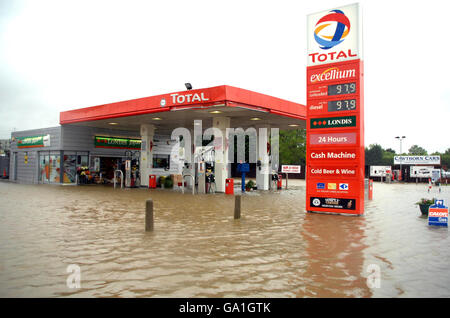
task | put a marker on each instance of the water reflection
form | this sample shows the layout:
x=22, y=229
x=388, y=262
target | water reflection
x=335, y=256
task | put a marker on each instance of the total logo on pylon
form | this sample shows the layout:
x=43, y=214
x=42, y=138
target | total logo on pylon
x=332, y=29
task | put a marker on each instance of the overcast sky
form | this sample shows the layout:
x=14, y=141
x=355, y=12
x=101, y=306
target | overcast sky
x=60, y=55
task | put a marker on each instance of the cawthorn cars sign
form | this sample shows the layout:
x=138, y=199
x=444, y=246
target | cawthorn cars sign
x=413, y=160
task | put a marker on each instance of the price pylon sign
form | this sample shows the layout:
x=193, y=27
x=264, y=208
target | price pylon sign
x=335, y=112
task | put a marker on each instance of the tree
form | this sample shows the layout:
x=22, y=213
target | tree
x=388, y=158
x=292, y=147
x=390, y=150
x=445, y=159
x=374, y=155
x=417, y=151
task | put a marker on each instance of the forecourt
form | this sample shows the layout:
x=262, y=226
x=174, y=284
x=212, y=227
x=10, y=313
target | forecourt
x=220, y=107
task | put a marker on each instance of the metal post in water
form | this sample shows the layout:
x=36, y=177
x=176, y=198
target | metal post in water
x=149, y=215
x=237, y=206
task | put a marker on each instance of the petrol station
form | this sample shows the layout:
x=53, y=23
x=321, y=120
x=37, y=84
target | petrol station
x=163, y=135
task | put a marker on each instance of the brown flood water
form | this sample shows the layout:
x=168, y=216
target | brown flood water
x=198, y=250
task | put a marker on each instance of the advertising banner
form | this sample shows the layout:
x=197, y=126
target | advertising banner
x=290, y=169
x=438, y=214
x=420, y=172
x=380, y=171
x=333, y=203
x=33, y=141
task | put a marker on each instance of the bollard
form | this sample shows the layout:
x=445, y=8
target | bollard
x=149, y=215
x=237, y=206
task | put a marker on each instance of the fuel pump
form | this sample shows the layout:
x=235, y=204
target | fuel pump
x=132, y=176
x=201, y=177
x=128, y=173
x=210, y=179
x=188, y=175
x=275, y=179
x=135, y=173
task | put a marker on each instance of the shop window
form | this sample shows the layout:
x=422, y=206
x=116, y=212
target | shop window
x=49, y=167
x=161, y=161
x=82, y=160
x=70, y=170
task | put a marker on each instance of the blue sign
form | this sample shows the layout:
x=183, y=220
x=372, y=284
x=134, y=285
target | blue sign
x=343, y=186
x=320, y=185
x=243, y=167
x=438, y=214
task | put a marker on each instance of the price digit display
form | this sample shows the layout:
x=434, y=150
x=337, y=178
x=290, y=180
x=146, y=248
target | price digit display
x=341, y=89
x=341, y=105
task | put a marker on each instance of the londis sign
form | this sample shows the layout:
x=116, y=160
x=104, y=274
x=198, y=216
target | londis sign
x=117, y=143
x=335, y=113
x=330, y=122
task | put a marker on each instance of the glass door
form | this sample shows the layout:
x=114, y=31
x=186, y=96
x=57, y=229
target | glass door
x=55, y=168
x=44, y=167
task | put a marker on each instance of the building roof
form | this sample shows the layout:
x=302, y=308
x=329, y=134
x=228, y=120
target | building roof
x=181, y=108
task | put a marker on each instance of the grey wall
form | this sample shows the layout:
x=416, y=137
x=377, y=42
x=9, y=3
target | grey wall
x=28, y=172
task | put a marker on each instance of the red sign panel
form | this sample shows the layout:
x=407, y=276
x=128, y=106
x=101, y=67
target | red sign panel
x=335, y=143
x=333, y=139
x=332, y=72
x=335, y=154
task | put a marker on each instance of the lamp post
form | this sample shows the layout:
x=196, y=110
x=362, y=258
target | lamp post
x=400, y=138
